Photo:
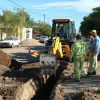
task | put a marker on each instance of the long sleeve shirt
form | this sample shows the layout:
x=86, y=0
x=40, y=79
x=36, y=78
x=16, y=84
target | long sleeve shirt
x=79, y=48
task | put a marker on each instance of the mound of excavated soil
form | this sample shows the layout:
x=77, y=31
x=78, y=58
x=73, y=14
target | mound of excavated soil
x=16, y=88
x=30, y=42
x=3, y=69
x=5, y=59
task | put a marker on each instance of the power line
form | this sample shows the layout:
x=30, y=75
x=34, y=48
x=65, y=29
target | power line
x=24, y=7
x=44, y=16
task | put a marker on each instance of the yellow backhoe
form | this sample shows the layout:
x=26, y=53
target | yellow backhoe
x=58, y=46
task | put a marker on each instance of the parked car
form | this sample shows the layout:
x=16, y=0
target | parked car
x=38, y=36
x=10, y=42
x=43, y=39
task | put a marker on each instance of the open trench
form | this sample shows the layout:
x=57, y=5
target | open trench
x=23, y=82
x=45, y=91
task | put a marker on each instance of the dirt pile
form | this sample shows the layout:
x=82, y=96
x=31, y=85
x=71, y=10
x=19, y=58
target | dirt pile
x=5, y=59
x=30, y=42
x=8, y=61
x=3, y=69
x=17, y=88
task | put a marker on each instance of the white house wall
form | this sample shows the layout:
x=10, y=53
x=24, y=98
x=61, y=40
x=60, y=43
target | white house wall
x=26, y=33
x=3, y=36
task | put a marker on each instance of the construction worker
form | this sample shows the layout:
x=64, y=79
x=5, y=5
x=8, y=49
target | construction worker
x=79, y=50
x=61, y=31
x=94, y=51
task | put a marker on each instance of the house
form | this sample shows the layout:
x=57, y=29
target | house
x=23, y=34
x=26, y=33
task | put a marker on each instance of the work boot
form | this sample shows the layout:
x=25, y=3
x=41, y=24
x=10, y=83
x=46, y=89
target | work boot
x=76, y=80
x=88, y=74
x=94, y=73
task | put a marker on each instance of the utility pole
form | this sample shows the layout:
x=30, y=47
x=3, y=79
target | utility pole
x=44, y=17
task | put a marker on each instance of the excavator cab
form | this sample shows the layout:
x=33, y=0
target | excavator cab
x=67, y=25
x=64, y=29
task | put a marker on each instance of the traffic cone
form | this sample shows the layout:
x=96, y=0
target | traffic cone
x=29, y=50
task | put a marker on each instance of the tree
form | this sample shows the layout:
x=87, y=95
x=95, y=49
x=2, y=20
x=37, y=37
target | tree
x=20, y=18
x=90, y=22
x=13, y=20
x=7, y=20
x=1, y=19
x=44, y=28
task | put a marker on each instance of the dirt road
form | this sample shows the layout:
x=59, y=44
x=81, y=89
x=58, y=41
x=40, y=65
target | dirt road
x=22, y=55
x=25, y=82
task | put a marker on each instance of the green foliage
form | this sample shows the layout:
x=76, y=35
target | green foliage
x=44, y=28
x=1, y=19
x=20, y=18
x=7, y=17
x=90, y=22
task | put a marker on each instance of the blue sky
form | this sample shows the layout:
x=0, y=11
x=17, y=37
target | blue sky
x=74, y=9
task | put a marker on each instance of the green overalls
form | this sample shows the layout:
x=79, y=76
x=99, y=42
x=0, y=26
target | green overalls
x=78, y=51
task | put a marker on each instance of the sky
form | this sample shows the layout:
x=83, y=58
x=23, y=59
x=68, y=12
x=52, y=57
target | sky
x=46, y=10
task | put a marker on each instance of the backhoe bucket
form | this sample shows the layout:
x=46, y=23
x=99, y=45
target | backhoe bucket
x=48, y=64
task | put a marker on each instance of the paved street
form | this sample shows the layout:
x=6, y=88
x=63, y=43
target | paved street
x=21, y=53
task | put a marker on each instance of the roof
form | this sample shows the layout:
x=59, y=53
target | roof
x=62, y=20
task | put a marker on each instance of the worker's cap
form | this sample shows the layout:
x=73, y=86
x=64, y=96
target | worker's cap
x=93, y=31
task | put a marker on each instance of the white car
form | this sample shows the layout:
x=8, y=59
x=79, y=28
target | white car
x=10, y=42
x=38, y=36
x=43, y=39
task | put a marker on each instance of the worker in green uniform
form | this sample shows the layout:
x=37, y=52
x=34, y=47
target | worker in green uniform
x=78, y=51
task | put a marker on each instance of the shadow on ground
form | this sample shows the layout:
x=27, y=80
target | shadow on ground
x=39, y=48
x=25, y=58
